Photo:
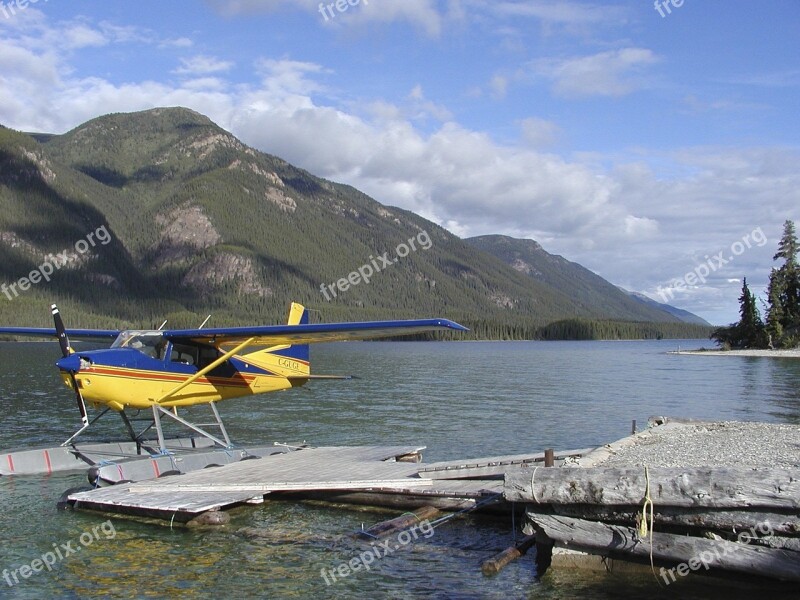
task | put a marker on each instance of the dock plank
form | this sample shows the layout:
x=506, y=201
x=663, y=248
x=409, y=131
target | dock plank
x=492, y=466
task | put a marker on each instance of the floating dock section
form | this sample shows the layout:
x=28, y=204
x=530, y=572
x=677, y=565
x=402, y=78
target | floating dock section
x=378, y=475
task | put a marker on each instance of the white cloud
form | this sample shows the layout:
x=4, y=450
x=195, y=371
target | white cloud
x=539, y=133
x=203, y=65
x=562, y=12
x=422, y=109
x=284, y=76
x=181, y=42
x=612, y=73
x=499, y=86
x=421, y=13
x=82, y=36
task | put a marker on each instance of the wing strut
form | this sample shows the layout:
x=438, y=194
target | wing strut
x=205, y=370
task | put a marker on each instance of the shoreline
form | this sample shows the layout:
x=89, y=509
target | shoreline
x=750, y=353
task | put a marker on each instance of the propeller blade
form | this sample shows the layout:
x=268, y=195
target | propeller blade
x=66, y=351
x=61, y=331
x=79, y=398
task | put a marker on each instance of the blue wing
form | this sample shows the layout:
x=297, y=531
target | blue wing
x=88, y=334
x=310, y=334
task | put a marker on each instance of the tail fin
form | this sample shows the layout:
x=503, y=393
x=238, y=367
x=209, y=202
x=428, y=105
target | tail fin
x=298, y=315
x=289, y=361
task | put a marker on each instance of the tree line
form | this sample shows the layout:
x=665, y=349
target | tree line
x=780, y=327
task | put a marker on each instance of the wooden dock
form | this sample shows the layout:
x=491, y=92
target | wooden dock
x=376, y=475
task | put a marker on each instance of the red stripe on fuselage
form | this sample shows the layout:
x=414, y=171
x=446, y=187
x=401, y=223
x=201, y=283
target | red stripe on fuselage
x=238, y=380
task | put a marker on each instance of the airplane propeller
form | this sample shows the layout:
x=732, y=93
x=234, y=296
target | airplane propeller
x=66, y=352
x=61, y=331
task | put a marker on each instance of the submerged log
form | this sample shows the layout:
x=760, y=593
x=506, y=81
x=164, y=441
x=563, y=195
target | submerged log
x=400, y=523
x=211, y=518
x=731, y=521
x=688, y=553
x=690, y=487
x=498, y=562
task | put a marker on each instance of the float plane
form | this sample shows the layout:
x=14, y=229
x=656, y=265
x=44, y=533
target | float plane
x=164, y=370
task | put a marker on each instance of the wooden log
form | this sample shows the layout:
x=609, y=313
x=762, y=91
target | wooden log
x=495, y=564
x=426, y=513
x=784, y=543
x=689, y=553
x=785, y=524
x=728, y=487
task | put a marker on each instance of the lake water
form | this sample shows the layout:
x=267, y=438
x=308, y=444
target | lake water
x=459, y=399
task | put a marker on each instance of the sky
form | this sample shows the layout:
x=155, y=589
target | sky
x=654, y=143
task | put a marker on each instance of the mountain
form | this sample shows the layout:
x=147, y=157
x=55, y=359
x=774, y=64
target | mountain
x=683, y=315
x=193, y=222
x=585, y=288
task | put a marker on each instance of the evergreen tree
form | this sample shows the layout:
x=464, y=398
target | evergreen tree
x=786, y=279
x=775, y=314
x=750, y=327
x=749, y=332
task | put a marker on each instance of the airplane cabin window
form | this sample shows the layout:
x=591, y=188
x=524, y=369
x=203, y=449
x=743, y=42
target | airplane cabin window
x=184, y=354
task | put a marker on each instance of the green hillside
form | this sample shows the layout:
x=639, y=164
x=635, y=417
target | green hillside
x=199, y=223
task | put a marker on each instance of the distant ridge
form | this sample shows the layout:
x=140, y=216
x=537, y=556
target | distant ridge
x=584, y=287
x=683, y=315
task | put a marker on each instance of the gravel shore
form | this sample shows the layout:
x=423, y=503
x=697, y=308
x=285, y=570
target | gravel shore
x=717, y=444
x=766, y=353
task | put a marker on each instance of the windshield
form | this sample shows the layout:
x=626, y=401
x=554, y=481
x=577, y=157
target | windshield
x=151, y=343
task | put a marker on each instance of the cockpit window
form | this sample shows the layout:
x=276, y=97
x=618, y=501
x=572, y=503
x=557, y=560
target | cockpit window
x=151, y=343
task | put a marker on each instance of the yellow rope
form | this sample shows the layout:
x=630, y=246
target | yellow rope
x=533, y=491
x=648, y=503
x=646, y=528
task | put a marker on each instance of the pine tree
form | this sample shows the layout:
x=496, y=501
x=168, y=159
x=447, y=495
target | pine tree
x=775, y=314
x=750, y=328
x=749, y=332
x=787, y=278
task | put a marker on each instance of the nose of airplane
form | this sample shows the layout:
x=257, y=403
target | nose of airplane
x=70, y=364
